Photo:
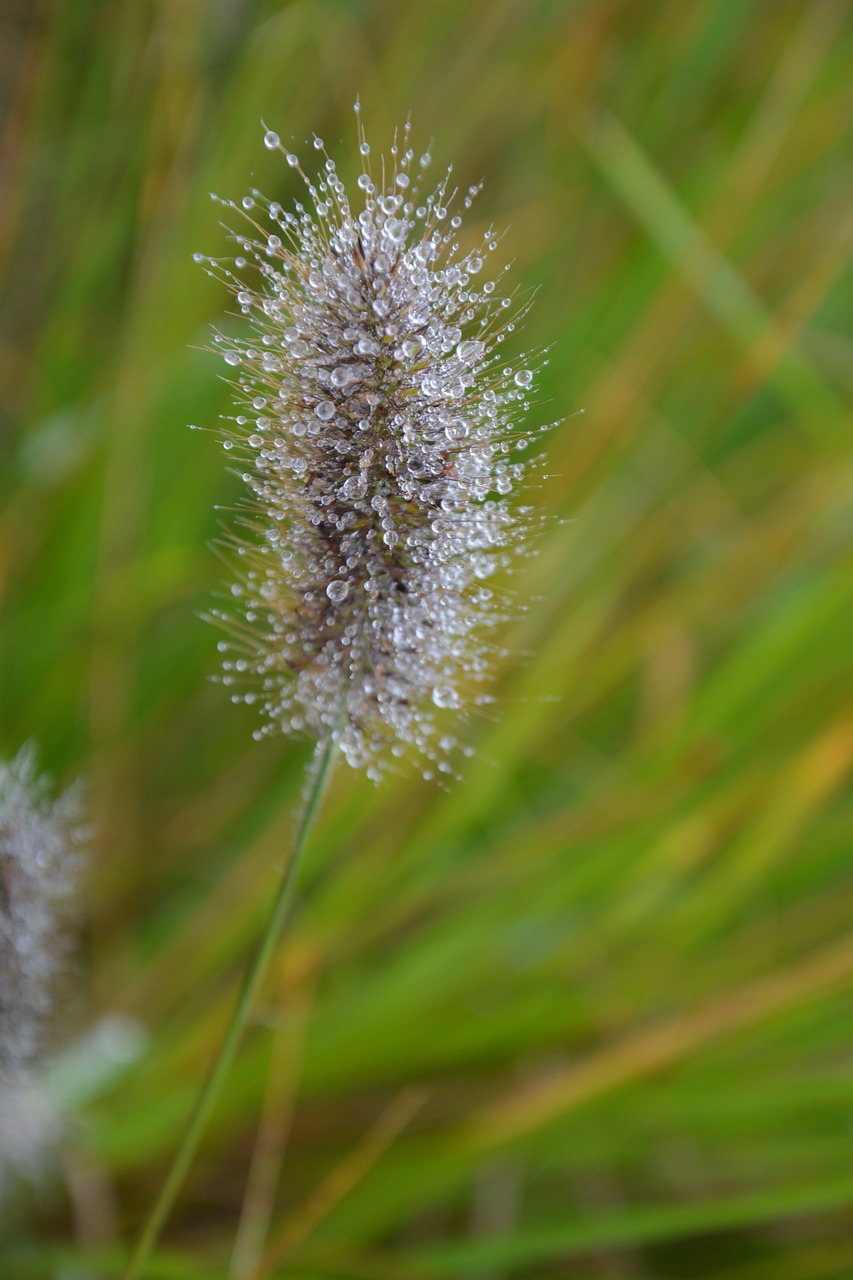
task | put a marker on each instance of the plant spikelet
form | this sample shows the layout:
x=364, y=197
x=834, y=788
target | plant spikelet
x=377, y=435
x=40, y=855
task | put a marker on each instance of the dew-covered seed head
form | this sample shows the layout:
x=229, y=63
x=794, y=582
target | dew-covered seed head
x=373, y=427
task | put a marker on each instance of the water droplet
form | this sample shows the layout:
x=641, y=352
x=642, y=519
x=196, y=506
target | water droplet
x=365, y=148
x=271, y=140
x=325, y=410
x=470, y=351
x=232, y=358
x=355, y=487
x=337, y=591
x=523, y=378
x=396, y=229
x=418, y=467
x=292, y=160
x=445, y=696
x=247, y=202
x=344, y=374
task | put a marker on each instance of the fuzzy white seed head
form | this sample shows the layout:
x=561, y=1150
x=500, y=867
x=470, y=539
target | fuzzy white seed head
x=377, y=434
x=30, y=1129
x=40, y=856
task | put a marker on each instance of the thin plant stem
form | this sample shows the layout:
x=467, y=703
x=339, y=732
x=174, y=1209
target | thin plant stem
x=322, y=767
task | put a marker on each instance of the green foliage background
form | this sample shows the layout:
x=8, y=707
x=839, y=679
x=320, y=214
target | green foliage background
x=588, y=1013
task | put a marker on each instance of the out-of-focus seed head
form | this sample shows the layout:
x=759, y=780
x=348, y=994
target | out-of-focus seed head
x=30, y=1129
x=40, y=856
x=377, y=435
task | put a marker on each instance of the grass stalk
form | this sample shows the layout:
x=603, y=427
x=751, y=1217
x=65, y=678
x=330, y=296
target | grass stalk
x=322, y=767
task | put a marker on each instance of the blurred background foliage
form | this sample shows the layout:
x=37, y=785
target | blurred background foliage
x=588, y=1013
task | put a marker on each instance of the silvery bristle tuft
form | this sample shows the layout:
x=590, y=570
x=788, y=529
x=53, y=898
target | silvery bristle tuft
x=40, y=856
x=376, y=432
x=30, y=1128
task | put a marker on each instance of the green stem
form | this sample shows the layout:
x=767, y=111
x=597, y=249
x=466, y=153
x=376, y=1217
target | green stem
x=323, y=760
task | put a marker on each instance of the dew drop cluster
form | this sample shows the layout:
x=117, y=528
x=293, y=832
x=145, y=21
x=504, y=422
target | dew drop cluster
x=378, y=434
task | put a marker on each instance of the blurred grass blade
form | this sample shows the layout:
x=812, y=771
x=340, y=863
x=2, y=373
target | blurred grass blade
x=720, y=286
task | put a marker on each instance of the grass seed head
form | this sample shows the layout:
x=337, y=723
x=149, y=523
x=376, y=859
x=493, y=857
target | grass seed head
x=377, y=434
x=40, y=856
